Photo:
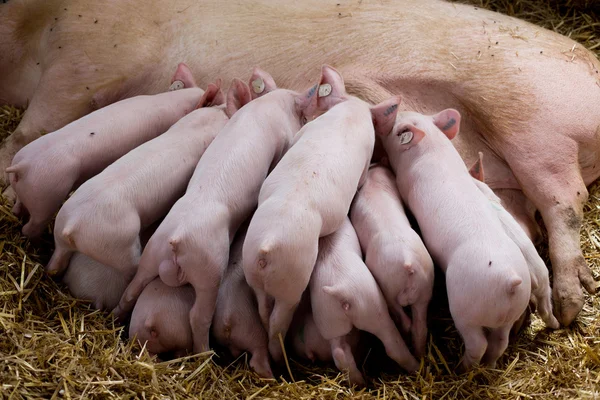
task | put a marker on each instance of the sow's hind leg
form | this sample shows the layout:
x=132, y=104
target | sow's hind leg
x=551, y=178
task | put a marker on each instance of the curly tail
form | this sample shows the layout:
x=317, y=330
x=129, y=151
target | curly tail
x=513, y=284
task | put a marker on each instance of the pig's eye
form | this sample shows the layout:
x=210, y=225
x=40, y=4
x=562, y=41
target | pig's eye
x=402, y=132
x=304, y=120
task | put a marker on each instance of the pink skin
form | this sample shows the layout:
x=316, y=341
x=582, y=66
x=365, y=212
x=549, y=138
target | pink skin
x=307, y=196
x=144, y=184
x=65, y=68
x=344, y=295
x=192, y=244
x=308, y=343
x=160, y=319
x=88, y=279
x=236, y=323
x=541, y=294
x=523, y=210
x=394, y=252
x=515, y=202
x=45, y=171
x=487, y=277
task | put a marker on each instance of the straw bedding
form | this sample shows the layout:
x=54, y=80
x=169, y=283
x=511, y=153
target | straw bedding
x=54, y=346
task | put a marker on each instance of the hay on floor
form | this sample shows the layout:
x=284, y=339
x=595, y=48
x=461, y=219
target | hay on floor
x=54, y=346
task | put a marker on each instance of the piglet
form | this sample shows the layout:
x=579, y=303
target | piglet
x=192, y=244
x=88, y=279
x=306, y=196
x=308, y=343
x=236, y=323
x=44, y=172
x=344, y=295
x=160, y=318
x=541, y=293
x=394, y=252
x=103, y=218
x=487, y=277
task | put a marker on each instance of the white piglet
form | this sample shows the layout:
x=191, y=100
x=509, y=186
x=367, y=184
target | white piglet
x=44, y=172
x=394, y=252
x=192, y=244
x=308, y=343
x=487, y=277
x=104, y=217
x=160, y=319
x=236, y=323
x=345, y=295
x=541, y=293
x=88, y=279
x=306, y=196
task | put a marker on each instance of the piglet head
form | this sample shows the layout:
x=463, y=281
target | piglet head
x=410, y=128
x=397, y=132
x=329, y=91
x=213, y=96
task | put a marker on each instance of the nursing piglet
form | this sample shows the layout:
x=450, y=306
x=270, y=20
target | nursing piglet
x=344, y=295
x=394, y=252
x=88, y=279
x=160, y=318
x=103, y=218
x=44, y=172
x=192, y=244
x=236, y=323
x=541, y=293
x=487, y=277
x=306, y=196
x=308, y=343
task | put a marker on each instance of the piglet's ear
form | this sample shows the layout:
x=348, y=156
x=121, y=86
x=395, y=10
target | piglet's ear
x=327, y=93
x=183, y=78
x=261, y=83
x=307, y=101
x=476, y=170
x=331, y=89
x=238, y=96
x=448, y=121
x=384, y=115
x=213, y=96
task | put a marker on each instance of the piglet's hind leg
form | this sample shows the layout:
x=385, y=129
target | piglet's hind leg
x=141, y=279
x=497, y=344
x=475, y=345
x=394, y=345
x=279, y=323
x=344, y=360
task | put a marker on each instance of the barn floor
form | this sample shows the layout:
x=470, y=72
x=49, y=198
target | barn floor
x=54, y=346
